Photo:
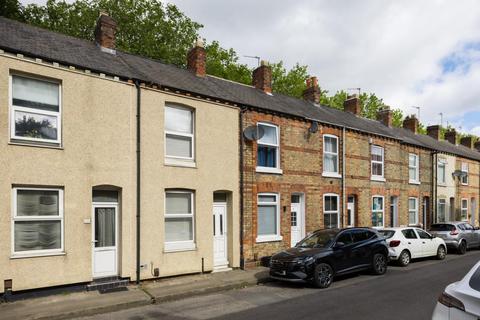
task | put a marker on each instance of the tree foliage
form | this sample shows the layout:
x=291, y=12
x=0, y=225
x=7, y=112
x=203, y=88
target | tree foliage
x=11, y=9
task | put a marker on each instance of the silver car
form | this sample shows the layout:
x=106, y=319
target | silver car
x=457, y=235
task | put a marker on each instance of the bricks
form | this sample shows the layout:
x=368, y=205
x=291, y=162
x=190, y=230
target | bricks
x=197, y=59
x=105, y=31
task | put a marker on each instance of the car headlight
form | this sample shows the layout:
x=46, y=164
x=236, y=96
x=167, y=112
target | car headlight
x=304, y=260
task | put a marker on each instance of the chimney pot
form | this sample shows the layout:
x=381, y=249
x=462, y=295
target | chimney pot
x=262, y=77
x=312, y=92
x=105, y=32
x=434, y=132
x=197, y=59
x=352, y=105
x=467, y=142
x=385, y=116
x=411, y=123
x=451, y=136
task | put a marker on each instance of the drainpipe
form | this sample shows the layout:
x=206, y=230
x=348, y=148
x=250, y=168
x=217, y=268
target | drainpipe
x=434, y=187
x=242, y=259
x=344, y=206
x=137, y=85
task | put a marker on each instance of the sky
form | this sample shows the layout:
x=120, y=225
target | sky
x=410, y=53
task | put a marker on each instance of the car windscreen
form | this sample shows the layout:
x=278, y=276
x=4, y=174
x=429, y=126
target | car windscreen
x=386, y=233
x=442, y=227
x=474, y=282
x=319, y=239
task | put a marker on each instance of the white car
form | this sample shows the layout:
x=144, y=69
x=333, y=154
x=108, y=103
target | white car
x=460, y=300
x=405, y=244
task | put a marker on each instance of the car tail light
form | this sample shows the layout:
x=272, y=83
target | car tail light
x=451, y=302
x=454, y=232
x=394, y=243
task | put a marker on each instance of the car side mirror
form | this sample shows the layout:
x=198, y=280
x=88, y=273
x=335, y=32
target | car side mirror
x=339, y=244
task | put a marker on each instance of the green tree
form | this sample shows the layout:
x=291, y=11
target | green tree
x=291, y=82
x=11, y=9
x=223, y=63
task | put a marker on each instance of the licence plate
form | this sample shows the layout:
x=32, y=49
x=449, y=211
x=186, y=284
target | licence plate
x=282, y=273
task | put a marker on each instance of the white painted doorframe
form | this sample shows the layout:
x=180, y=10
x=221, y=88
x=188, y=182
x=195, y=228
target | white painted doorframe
x=351, y=211
x=297, y=232
x=220, y=235
x=107, y=250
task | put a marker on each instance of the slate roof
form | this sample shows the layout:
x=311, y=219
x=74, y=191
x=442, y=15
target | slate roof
x=35, y=42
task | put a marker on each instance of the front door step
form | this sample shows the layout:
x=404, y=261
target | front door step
x=221, y=268
x=107, y=283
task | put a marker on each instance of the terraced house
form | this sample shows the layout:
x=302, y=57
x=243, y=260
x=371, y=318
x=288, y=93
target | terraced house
x=120, y=168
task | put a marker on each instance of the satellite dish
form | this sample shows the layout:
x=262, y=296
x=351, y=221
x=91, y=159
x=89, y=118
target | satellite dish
x=313, y=127
x=253, y=133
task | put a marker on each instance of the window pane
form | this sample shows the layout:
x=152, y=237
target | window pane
x=178, y=119
x=412, y=173
x=178, y=203
x=105, y=196
x=37, y=203
x=34, y=93
x=330, y=144
x=32, y=125
x=178, y=229
x=412, y=160
x=377, y=219
x=179, y=146
x=412, y=204
x=330, y=220
x=265, y=198
x=377, y=203
x=267, y=156
x=377, y=169
x=267, y=220
x=104, y=227
x=377, y=153
x=41, y=235
x=269, y=136
x=331, y=203
x=330, y=163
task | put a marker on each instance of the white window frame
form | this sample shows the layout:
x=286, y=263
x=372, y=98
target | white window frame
x=330, y=212
x=414, y=211
x=277, y=169
x=464, y=169
x=16, y=218
x=442, y=163
x=382, y=211
x=169, y=159
x=332, y=174
x=180, y=245
x=416, y=167
x=12, y=108
x=443, y=202
x=377, y=177
x=276, y=203
x=464, y=209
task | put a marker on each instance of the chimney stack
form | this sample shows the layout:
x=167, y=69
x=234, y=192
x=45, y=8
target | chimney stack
x=476, y=145
x=312, y=92
x=434, y=132
x=411, y=123
x=105, y=32
x=451, y=136
x=262, y=77
x=352, y=105
x=385, y=116
x=467, y=142
x=197, y=59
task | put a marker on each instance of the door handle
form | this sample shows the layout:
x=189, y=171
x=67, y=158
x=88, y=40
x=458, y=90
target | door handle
x=409, y=243
x=94, y=241
x=423, y=242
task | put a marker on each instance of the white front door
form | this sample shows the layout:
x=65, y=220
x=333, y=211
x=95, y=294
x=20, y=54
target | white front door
x=297, y=220
x=351, y=212
x=220, y=243
x=394, y=211
x=104, y=240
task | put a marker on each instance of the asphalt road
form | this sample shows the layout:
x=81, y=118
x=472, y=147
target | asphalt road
x=403, y=293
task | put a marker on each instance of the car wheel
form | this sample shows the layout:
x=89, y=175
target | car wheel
x=404, y=258
x=323, y=276
x=379, y=264
x=441, y=253
x=462, y=247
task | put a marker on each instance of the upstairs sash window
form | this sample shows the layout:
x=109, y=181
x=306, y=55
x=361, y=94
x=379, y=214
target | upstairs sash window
x=268, y=147
x=179, y=133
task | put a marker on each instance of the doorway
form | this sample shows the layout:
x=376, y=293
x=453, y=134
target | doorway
x=297, y=218
x=220, y=235
x=351, y=211
x=394, y=211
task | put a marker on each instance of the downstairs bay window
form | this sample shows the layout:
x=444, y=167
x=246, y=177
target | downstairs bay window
x=37, y=222
x=179, y=221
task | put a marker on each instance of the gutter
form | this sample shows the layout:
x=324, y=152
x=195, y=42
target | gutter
x=138, y=199
x=242, y=259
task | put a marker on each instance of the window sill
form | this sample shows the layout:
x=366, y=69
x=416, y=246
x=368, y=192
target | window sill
x=414, y=182
x=274, y=238
x=36, y=255
x=180, y=163
x=35, y=144
x=465, y=184
x=179, y=248
x=331, y=175
x=269, y=170
x=441, y=184
x=379, y=179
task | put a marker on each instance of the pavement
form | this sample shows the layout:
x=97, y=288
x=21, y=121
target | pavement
x=402, y=293
x=80, y=304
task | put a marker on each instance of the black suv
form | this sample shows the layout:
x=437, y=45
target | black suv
x=330, y=252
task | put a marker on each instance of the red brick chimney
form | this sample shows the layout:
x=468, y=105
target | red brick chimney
x=467, y=142
x=352, y=105
x=476, y=145
x=434, y=132
x=197, y=59
x=411, y=123
x=262, y=77
x=385, y=116
x=105, y=32
x=312, y=92
x=451, y=136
